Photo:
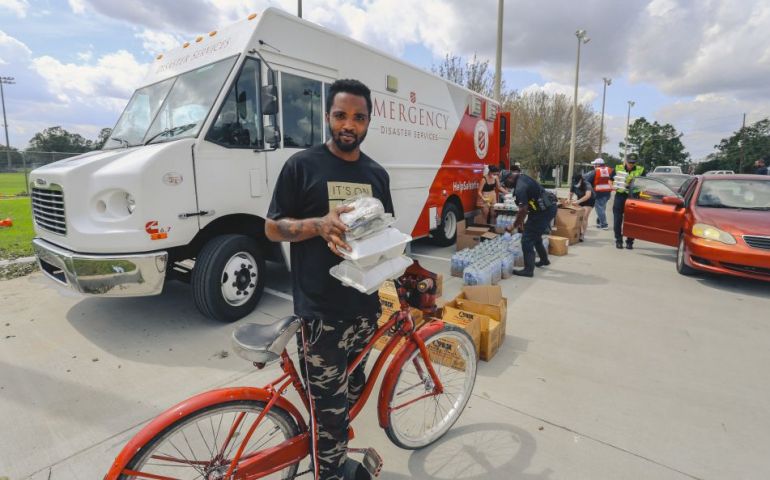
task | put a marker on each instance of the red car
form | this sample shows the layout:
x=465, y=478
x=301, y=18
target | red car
x=719, y=223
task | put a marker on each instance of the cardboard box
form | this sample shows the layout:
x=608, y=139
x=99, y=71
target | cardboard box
x=491, y=339
x=569, y=216
x=487, y=300
x=488, y=236
x=469, y=237
x=417, y=317
x=557, y=246
x=468, y=321
x=439, y=285
x=571, y=234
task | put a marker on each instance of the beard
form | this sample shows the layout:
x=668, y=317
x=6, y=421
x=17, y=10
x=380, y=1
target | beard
x=347, y=147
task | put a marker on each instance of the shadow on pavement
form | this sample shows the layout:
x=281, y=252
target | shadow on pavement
x=726, y=283
x=483, y=451
x=509, y=351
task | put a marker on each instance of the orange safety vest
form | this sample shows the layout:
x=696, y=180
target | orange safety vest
x=602, y=180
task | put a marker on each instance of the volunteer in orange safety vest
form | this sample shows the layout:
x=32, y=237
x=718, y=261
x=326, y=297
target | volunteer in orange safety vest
x=601, y=179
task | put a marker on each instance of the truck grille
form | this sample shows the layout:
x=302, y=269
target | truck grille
x=48, y=209
x=757, y=241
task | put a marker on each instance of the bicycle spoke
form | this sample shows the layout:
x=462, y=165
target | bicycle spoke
x=211, y=452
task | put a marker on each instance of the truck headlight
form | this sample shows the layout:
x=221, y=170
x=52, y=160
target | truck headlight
x=130, y=203
x=710, y=232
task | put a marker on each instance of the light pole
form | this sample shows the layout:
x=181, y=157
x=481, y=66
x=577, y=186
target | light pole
x=631, y=103
x=581, y=38
x=499, y=56
x=6, y=81
x=607, y=83
x=299, y=8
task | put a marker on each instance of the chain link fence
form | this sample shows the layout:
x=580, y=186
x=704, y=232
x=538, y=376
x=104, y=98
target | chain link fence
x=18, y=163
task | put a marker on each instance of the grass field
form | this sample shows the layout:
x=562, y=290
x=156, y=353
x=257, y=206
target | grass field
x=11, y=184
x=16, y=241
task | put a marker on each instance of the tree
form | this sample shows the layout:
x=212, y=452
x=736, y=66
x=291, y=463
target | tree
x=57, y=139
x=541, y=126
x=739, y=151
x=474, y=75
x=104, y=134
x=656, y=144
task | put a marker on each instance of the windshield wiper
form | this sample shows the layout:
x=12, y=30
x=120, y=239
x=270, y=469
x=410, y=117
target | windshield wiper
x=171, y=131
x=757, y=208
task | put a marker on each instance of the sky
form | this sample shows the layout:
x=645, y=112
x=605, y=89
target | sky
x=697, y=64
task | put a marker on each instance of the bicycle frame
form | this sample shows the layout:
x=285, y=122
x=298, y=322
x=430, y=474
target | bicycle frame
x=293, y=450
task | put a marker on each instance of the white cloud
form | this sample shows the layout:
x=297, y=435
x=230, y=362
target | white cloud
x=12, y=50
x=584, y=95
x=155, y=42
x=19, y=7
x=77, y=6
x=109, y=81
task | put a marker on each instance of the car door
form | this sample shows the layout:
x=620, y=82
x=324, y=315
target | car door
x=648, y=217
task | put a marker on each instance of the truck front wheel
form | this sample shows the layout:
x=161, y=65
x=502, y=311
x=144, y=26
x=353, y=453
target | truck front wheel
x=446, y=233
x=228, y=277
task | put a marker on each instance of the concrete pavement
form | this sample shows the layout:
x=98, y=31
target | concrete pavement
x=613, y=367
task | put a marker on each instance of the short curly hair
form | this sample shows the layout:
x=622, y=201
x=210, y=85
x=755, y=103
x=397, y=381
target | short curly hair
x=351, y=86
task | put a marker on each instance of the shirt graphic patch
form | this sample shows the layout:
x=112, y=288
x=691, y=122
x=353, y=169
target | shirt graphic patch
x=341, y=191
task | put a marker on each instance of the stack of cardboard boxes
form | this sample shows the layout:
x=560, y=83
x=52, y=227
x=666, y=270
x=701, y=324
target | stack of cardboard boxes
x=569, y=219
x=480, y=310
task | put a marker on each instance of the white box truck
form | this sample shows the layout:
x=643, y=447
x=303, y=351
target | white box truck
x=181, y=188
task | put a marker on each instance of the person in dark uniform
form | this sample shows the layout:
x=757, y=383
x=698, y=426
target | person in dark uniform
x=538, y=207
x=586, y=198
x=337, y=321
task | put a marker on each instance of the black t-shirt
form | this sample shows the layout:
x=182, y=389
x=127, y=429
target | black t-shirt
x=310, y=182
x=581, y=190
x=528, y=192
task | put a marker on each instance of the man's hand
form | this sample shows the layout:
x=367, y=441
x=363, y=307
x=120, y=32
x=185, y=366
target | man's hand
x=332, y=229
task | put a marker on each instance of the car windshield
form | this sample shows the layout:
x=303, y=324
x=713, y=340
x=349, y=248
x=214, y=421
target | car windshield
x=739, y=194
x=173, y=108
x=673, y=181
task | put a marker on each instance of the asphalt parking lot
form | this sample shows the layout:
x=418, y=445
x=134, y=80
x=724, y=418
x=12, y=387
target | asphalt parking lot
x=613, y=367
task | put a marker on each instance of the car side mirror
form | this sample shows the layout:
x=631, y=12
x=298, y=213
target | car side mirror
x=272, y=136
x=675, y=201
x=269, y=98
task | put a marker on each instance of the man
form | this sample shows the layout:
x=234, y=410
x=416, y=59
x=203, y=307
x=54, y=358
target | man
x=601, y=179
x=338, y=321
x=762, y=165
x=539, y=208
x=621, y=195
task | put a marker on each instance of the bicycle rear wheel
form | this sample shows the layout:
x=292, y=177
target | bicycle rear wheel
x=416, y=422
x=196, y=446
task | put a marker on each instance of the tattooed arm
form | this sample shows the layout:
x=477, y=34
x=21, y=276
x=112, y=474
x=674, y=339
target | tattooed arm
x=329, y=227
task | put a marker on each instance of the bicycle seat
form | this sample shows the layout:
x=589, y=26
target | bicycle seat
x=264, y=343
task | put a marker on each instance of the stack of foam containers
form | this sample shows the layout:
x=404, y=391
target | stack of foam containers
x=376, y=248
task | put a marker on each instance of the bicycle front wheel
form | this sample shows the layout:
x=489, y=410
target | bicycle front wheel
x=202, y=444
x=417, y=418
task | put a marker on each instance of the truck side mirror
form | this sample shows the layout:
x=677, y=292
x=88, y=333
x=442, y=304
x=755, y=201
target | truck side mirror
x=269, y=98
x=272, y=136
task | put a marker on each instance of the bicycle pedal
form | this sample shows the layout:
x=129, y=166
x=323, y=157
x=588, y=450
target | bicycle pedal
x=372, y=461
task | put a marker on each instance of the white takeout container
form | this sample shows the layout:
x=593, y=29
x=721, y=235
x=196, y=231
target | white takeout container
x=369, y=280
x=387, y=244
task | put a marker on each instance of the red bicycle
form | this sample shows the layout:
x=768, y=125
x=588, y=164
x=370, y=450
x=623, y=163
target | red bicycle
x=250, y=433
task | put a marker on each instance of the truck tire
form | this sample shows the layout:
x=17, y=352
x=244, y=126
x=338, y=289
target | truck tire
x=228, y=277
x=446, y=233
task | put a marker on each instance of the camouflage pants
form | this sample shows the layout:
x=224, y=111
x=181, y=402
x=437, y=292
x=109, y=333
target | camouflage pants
x=331, y=345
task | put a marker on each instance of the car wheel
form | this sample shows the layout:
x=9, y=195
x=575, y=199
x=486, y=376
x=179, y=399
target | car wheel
x=446, y=233
x=681, y=254
x=228, y=277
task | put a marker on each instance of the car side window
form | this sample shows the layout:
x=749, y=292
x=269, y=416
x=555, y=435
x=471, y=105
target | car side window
x=302, y=111
x=239, y=122
x=650, y=189
x=687, y=189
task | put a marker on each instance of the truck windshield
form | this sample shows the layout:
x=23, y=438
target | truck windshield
x=155, y=113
